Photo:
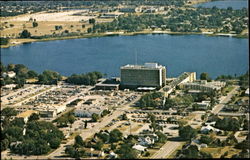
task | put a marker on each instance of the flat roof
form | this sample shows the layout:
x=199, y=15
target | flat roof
x=107, y=85
x=145, y=66
x=146, y=88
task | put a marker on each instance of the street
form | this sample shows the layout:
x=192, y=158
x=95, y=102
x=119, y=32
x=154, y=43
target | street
x=224, y=100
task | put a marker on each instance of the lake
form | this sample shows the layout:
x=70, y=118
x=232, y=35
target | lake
x=235, y=4
x=179, y=53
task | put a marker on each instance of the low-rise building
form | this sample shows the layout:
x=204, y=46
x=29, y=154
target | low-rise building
x=139, y=147
x=203, y=105
x=146, y=141
x=9, y=86
x=247, y=92
x=10, y=74
x=93, y=153
x=87, y=111
x=203, y=86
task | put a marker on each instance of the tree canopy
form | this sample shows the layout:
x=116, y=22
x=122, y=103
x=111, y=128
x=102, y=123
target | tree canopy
x=187, y=132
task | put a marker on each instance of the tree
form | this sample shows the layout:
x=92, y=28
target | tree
x=89, y=30
x=55, y=143
x=49, y=77
x=78, y=142
x=206, y=155
x=115, y=135
x=95, y=117
x=32, y=74
x=11, y=67
x=71, y=119
x=4, y=144
x=206, y=139
x=34, y=24
x=4, y=41
x=191, y=152
x=8, y=112
x=19, y=122
x=73, y=152
x=187, y=133
x=25, y=34
x=91, y=21
x=98, y=145
x=228, y=124
x=34, y=117
x=124, y=117
x=104, y=136
x=127, y=152
x=204, y=76
x=162, y=138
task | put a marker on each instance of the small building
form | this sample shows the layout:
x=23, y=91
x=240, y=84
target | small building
x=247, y=92
x=108, y=84
x=93, y=153
x=203, y=86
x=10, y=74
x=203, y=105
x=9, y=86
x=139, y=147
x=207, y=129
x=110, y=15
x=128, y=9
x=146, y=141
x=50, y=111
x=25, y=115
x=112, y=155
x=84, y=111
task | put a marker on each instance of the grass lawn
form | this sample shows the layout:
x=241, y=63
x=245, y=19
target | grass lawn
x=228, y=89
x=135, y=128
x=217, y=152
x=31, y=80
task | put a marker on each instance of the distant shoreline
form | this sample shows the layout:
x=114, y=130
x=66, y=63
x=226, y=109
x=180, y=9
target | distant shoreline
x=15, y=42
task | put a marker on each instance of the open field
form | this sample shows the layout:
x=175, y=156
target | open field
x=217, y=152
x=58, y=16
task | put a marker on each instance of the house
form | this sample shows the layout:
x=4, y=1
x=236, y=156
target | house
x=9, y=86
x=210, y=123
x=206, y=129
x=139, y=147
x=247, y=92
x=93, y=153
x=112, y=155
x=10, y=74
x=146, y=141
x=203, y=145
x=203, y=105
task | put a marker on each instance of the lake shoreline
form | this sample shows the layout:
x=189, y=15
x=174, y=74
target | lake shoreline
x=16, y=42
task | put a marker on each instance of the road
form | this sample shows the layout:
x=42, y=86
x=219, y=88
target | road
x=89, y=132
x=166, y=149
x=224, y=100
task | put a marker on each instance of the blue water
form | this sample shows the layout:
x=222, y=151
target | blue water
x=183, y=53
x=235, y=4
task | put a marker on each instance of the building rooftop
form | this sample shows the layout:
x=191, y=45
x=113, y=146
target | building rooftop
x=145, y=66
